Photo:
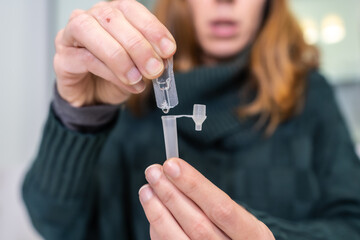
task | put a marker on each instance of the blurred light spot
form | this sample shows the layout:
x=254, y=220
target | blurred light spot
x=310, y=30
x=332, y=29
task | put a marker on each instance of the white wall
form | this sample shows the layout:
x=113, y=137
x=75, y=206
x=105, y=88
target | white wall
x=340, y=61
x=24, y=95
x=65, y=7
x=24, y=87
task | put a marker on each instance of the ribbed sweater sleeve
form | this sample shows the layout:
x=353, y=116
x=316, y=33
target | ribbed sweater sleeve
x=59, y=188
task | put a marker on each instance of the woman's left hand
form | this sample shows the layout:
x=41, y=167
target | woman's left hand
x=180, y=203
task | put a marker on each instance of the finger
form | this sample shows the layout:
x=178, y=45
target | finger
x=230, y=217
x=73, y=15
x=160, y=219
x=150, y=27
x=190, y=217
x=87, y=32
x=76, y=13
x=153, y=234
x=138, y=48
x=156, y=236
x=79, y=61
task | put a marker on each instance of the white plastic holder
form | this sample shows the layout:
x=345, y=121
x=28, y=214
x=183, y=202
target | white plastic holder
x=170, y=129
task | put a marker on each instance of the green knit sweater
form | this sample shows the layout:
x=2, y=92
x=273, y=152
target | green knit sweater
x=303, y=182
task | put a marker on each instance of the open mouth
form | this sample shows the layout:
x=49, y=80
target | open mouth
x=223, y=28
x=223, y=23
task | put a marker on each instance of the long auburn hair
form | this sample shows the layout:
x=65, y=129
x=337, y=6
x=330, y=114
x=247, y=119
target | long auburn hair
x=280, y=59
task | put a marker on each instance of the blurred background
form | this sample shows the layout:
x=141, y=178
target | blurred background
x=26, y=50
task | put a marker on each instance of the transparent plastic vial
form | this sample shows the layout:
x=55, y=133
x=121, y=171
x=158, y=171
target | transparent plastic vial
x=165, y=88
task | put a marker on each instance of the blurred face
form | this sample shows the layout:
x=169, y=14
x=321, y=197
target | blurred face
x=224, y=27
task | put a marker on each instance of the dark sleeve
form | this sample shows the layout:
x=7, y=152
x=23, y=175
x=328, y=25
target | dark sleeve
x=88, y=119
x=337, y=167
x=59, y=190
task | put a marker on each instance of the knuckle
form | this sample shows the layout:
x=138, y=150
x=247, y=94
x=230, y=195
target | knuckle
x=59, y=37
x=75, y=13
x=88, y=57
x=223, y=213
x=135, y=43
x=150, y=25
x=104, y=13
x=124, y=6
x=168, y=197
x=62, y=70
x=115, y=54
x=191, y=187
x=81, y=23
x=200, y=231
x=100, y=4
x=56, y=62
x=157, y=219
x=60, y=65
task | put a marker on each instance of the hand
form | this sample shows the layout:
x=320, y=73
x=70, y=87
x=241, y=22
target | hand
x=103, y=53
x=180, y=203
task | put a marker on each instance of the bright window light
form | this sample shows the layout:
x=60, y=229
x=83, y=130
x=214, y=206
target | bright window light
x=332, y=29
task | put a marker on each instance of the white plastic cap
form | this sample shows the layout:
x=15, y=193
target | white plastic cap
x=199, y=116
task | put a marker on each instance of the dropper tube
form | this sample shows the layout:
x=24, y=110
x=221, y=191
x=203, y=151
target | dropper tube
x=170, y=136
x=199, y=116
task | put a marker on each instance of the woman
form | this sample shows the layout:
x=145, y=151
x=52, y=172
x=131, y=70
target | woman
x=274, y=159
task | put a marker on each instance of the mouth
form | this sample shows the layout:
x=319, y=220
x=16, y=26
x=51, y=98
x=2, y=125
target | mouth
x=223, y=28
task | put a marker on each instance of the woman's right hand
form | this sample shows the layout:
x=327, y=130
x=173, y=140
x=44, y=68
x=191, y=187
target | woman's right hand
x=103, y=53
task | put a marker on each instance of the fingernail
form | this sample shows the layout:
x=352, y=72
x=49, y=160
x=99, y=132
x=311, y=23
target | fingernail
x=134, y=76
x=139, y=87
x=154, y=66
x=152, y=174
x=167, y=46
x=172, y=169
x=145, y=193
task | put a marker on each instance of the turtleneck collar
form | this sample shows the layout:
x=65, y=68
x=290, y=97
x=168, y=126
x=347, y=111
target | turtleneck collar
x=219, y=88
x=202, y=81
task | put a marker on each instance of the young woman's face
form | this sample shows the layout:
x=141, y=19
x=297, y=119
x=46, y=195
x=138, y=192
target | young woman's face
x=224, y=27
